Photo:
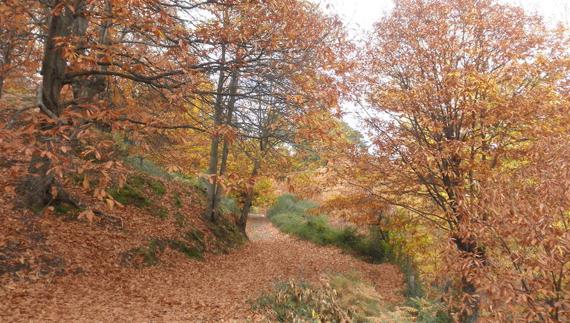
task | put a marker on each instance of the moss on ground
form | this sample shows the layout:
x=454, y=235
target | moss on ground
x=133, y=192
x=129, y=195
x=149, y=255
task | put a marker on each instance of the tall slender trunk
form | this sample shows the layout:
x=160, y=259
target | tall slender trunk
x=100, y=83
x=212, y=208
x=7, y=54
x=228, y=120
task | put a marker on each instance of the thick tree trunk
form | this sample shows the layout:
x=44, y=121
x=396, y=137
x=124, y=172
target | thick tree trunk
x=54, y=64
x=40, y=188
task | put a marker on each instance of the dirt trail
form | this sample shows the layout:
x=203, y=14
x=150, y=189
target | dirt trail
x=216, y=289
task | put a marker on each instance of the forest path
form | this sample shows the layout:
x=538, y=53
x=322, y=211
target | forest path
x=220, y=288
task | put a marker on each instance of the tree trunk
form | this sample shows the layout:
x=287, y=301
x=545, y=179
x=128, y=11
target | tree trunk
x=7, y=60
x=1, y=85
x=54, y=64
x=471, y=249
x=212, y=208
x=227, y=121
x=40, y=188
x=242, y=222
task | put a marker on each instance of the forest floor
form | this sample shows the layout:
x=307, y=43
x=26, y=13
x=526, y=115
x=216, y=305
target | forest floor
x=220, y=288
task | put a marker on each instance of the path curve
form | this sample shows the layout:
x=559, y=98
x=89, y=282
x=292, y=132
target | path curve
x=214, y=290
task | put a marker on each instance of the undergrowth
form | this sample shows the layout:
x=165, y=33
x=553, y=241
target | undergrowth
x=339, y=298
x=292, y=215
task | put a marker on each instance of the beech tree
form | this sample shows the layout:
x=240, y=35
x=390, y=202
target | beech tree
x=264, y=58
x=87, y=45
x=456, y=90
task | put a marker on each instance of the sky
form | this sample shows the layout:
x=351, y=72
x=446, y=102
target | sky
x=360, y=15
x=363, y=13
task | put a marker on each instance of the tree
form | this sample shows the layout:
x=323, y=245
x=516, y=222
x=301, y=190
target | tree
x=18, y=35
x=456, y=89
x=87, y=45
x=263, y=60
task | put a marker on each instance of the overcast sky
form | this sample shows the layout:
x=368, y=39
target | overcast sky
x=363, y=13
x=359, y=15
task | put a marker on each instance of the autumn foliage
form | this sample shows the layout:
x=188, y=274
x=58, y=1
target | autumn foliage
x=464, y=106
x=466, y=101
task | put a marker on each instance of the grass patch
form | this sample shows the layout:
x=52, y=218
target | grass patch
x=198, y=183
x=133, y=192
x=140, y=182
x=229, y=205
x=194, y=235
x=300, y=302
x=128, y=195
x=189, y=251
x=64, y=208
x=290, y=215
